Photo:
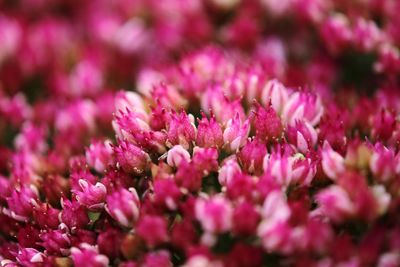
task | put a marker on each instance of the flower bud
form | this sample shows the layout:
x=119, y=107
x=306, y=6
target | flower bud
x=205, y=160
x=228, y=170
x=87, y=253
x=335, y=203
x=166, y=193
x=153, y=230
x=274, y=93
x=131, y=158
x=302, y=105
x=21, y=203
x=245, y=219
x=382, y=163
x=303, y=136
x=236, y=133
x=181, y=130
x=332, y=162
x=99, y=155
x=30, y=257
x=209, y=133
x=251, y=156
x=91, y=196
x=267, y=123
x=214, y=214
x=176, y=155
x=73, y=214
x=109, y=242
x=279, y=165
x=56, y=242
x=123, y=206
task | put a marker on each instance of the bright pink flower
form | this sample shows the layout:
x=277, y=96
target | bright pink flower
x=176, y=155
x=205, y=160
x=30, y=257
x=153, y=230
x=92, y=196
x=189, y=176
x=303, y=136
x=21, y=203
x=302, y=106
x=336, y=32
x=332, y=162
x=131, y=158
x=123, y=206
x=335, y=203
x=245, y=219
x=274, y=93
x=383, y=163
x=228, y=170
x=99, y=155
x=279, y=165
x=73, y=214
x=56, y=242
x=251, y=156
x=109, y=242
x=267, y=123
x=366, y=34
x=181, y=129
x=86, y=253
x=236, y=133
x=209, y=133
x=214, y=214
x=166, y=193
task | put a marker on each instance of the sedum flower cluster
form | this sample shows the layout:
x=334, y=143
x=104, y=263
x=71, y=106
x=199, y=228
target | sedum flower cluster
x=248, y=133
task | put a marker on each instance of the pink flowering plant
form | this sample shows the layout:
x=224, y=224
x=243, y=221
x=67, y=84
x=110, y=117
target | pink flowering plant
x=199, y=133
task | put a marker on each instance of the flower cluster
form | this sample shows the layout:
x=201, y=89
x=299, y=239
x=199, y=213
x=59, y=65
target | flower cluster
x=256, y=133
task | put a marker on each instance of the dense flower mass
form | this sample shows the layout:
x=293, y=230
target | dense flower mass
x=199, y=133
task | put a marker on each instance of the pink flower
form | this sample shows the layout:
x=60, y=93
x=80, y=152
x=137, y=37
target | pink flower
x=279, y=165
x=302, y=105
x=56, y=242
x=90, y=195
x=303, y=136
x=209, y=133
x=109, y=242
x=214, y=214
x=267, y=124
x=227, y=171
x=245, y=219
x=251, y=156
x=176, y=155
x=30, y=257
x=21, y=203
x=275, y=94
x=131, y=158
x=335, y=203
x=99, y=155
x=366, y=34
x=166, y=193
x=87, y=253
x=383, y=163
x=189, y=176
x=181, y=129
x=332, y=162
x=73, y=214
x=236, y=133
x=123, y=206
x=153, y=230
x=336, y=32
x=205, y=160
